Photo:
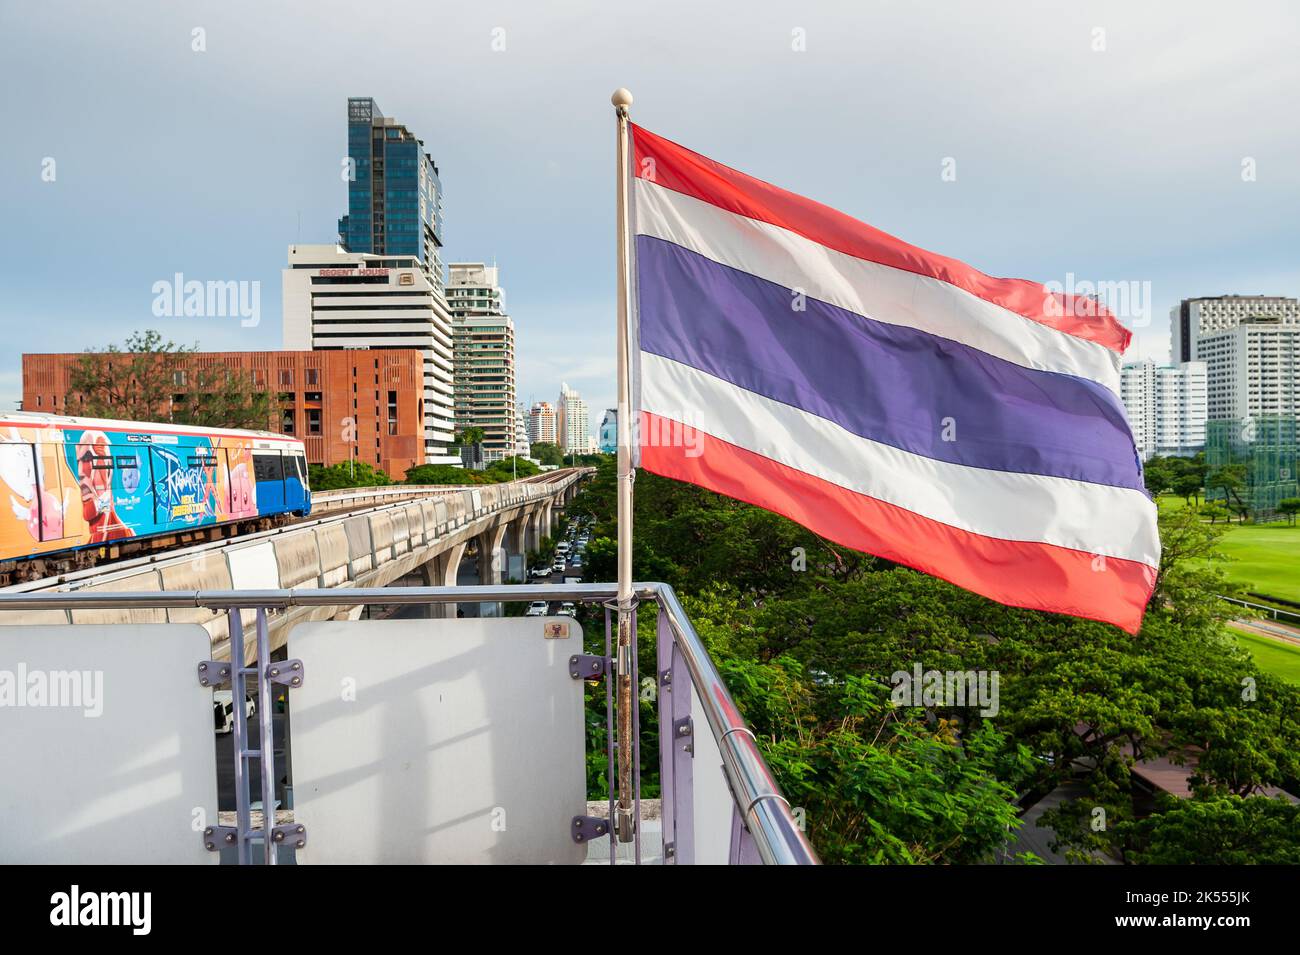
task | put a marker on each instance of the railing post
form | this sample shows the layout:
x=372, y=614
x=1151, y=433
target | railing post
x=238, y=694
x=742, y=851
x=609, y=729
x=676, y=756
x=265, y=705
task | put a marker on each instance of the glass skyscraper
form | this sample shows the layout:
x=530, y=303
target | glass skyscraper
x=394, y=194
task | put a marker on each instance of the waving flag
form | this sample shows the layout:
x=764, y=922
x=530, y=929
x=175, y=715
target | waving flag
x=889, y=399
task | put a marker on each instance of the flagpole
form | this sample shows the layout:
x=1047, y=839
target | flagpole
x=625, y=824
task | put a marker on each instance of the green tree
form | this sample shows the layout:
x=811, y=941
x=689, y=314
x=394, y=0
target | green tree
x=1230, y=479
x=794, y=622
x=344, y=475
x=1220, y=830
x=547, y=453
x=1290, y=506
x=439, y=474
x=1215, y=512
x=141, y=380
x=1188, y=487
x=509, y=468
x=1158, y=475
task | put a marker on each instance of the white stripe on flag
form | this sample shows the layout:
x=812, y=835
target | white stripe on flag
x=880, y=292
x=1093, y=518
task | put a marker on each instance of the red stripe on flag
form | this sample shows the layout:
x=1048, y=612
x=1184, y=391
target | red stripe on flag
x=1018, y=573
x=675, y=167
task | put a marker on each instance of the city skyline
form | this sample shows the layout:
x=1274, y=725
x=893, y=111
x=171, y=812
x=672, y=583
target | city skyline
x=1163, y=206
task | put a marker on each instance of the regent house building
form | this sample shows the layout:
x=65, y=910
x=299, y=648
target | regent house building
x=345, y=404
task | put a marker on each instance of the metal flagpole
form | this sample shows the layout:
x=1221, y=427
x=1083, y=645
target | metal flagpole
x=622, y=99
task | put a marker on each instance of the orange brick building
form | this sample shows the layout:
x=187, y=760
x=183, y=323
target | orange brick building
x=358, y=404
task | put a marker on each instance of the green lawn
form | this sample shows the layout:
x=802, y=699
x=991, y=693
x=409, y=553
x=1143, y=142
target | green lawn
x=1272, y=656
x=1265, y=557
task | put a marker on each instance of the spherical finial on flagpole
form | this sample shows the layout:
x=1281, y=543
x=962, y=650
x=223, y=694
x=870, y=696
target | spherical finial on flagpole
x=621, y=99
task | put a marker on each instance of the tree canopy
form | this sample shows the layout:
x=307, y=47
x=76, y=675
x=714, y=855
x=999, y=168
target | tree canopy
x=808, y=634
x=142, y=380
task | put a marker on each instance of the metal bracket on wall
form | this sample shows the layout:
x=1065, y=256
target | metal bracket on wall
x=214, y=673
x=585, y=666
x=216, y=838
x=288, y=672
x=586, y=828
x=293, y=833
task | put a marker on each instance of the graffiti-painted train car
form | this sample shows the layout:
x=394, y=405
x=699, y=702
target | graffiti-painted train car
x=79, y=484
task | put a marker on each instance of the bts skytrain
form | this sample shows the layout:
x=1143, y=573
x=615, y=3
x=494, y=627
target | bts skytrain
x=73, y=488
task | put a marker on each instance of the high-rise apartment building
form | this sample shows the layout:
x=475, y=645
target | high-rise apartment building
x=394, y=194
x=1254, y=369
x=483, y=346
x=571, y=422
x=542, y=424
x=475, y=289
x=334, y=299
x=523, y=447
x=1194, y=318
x=1166, y=406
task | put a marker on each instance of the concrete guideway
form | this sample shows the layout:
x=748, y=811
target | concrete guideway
x=358, y=537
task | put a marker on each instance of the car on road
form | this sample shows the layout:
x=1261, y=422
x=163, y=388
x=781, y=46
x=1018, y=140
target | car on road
x=568, y=609
x=540, y=572
x=537, y=608
x=562, y=547
x=558, y=566
x=576, y=562
x=223, y=710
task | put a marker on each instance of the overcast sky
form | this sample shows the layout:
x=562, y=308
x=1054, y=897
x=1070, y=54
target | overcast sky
x=1149, y=142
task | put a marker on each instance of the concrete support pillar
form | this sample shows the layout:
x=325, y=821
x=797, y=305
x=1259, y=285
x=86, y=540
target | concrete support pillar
x=534, y=518
x=516, y=545
x=441, y=572
x=492, y=555
x=491, y=566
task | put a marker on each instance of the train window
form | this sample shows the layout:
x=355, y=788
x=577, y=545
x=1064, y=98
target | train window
x=203, y=461
x=300, y=467
x=267, y=467
x=127, y=462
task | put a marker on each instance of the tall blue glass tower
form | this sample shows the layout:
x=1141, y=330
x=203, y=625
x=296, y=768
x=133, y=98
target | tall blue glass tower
x=394, y=194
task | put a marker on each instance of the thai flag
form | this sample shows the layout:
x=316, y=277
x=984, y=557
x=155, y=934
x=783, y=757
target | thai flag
x=889, y=399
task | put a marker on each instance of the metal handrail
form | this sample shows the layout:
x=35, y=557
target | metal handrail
x=1254, y=606
x=759, y=800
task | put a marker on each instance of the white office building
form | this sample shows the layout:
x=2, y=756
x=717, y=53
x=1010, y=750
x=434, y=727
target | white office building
x=1254, y=369
x=1166, y=406
x=571, y=422
x=1194, y=318
x=336, y=299
x=523, y=447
